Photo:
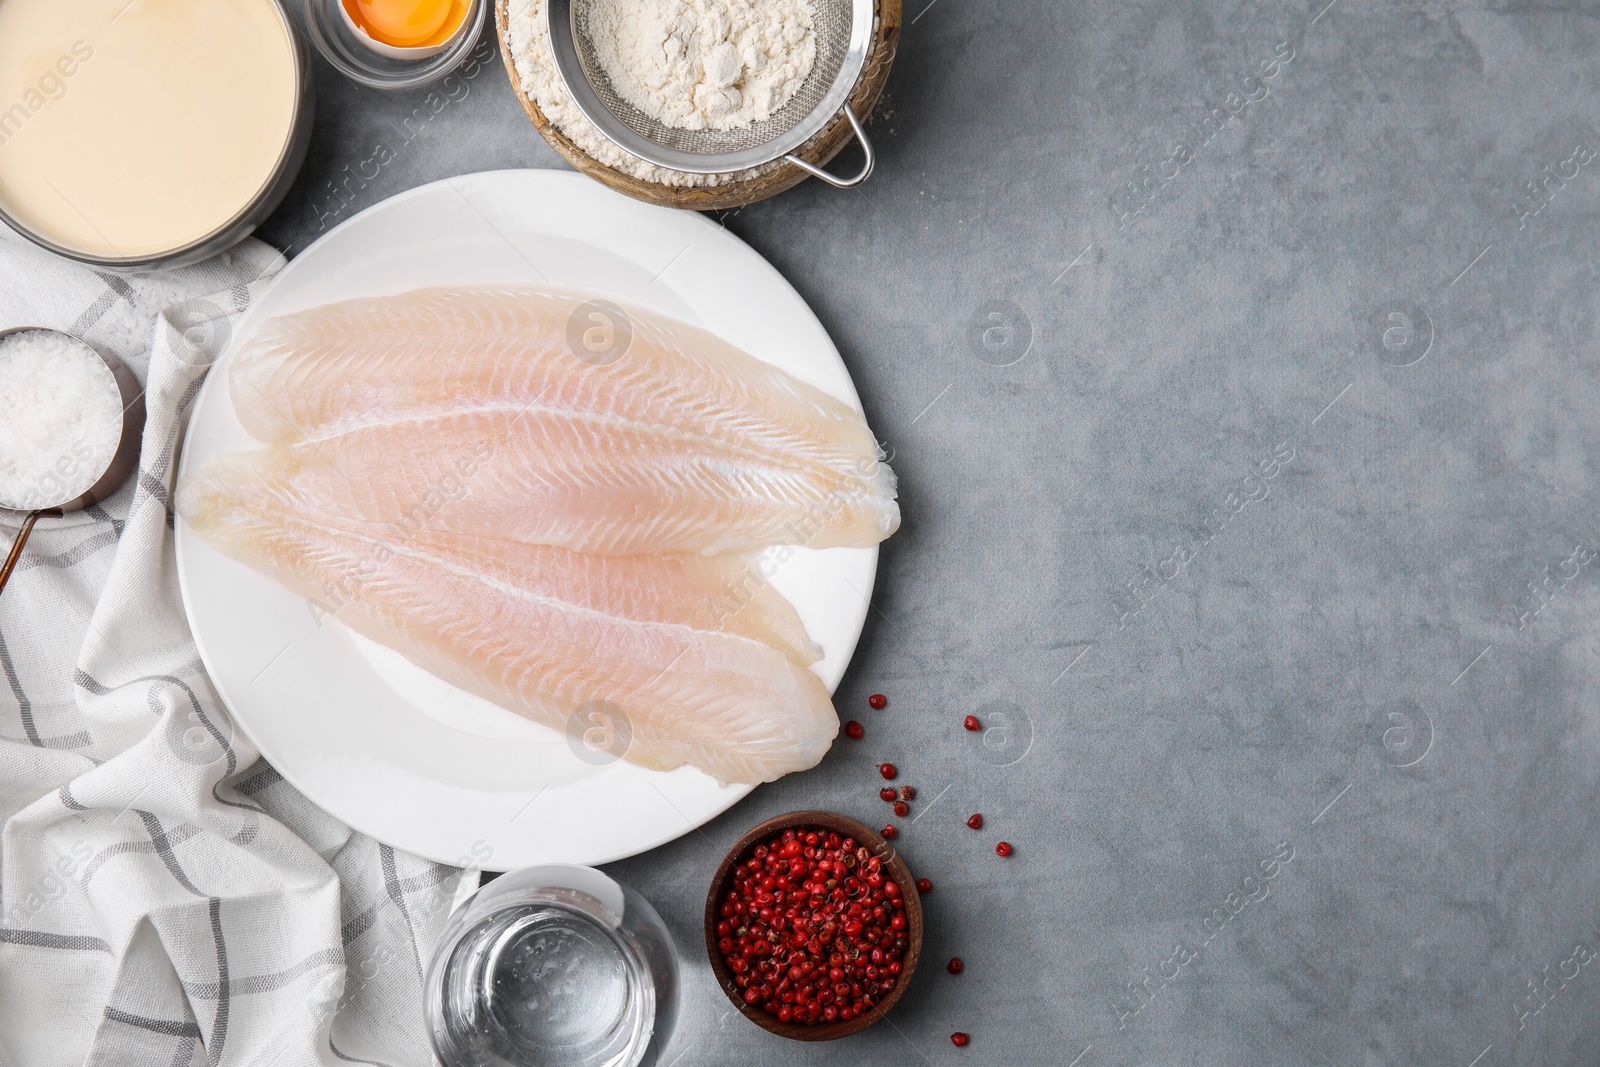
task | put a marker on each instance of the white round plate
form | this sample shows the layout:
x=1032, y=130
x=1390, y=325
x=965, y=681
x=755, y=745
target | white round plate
x=389, y=749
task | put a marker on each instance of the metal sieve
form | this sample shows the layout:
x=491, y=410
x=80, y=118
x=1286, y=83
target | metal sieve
x=843, y=31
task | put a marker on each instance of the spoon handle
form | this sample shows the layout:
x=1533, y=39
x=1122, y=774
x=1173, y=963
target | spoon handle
x=16, y=548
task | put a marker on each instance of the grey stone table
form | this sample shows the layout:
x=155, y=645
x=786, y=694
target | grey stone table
x=1238, y=360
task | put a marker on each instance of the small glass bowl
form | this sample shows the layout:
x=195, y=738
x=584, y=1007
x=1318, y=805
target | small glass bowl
x=353, y=55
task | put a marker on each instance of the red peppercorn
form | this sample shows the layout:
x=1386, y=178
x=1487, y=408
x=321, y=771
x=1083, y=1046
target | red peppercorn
x=907, y=793
x=877, y=701
x=924, y=885
x=971, y=722
x=890, y=832
x=1003, y=849
x=854, y=731
x=959, y=1040
x=975, y=821
x=887, y=770
x=955, y=966
x=901, y=808
x=886, y=793
x=811, y=931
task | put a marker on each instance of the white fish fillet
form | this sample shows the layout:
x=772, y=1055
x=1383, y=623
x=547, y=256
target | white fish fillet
x=682, y=443
x=542, y=631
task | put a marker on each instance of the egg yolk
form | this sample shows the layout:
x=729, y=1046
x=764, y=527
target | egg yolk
x=403, y=23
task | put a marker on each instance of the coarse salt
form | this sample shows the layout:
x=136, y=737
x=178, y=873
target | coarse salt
x=60, y=419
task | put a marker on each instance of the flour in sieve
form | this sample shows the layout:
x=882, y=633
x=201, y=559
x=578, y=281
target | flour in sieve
x=704, y=64
x=528, y=44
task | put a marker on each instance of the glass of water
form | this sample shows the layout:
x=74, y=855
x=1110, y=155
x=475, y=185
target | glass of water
x=554, y=966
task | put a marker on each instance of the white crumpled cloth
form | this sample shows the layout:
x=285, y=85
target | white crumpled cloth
x=165, y=897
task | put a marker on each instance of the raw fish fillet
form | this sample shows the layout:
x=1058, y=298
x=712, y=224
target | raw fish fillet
x=572, y=482
x=542, y=631
x=682, y=443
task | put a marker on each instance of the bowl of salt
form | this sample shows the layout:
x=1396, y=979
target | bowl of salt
x=70, y=437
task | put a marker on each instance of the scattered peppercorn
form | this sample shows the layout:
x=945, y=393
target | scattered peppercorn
x=1003, y=849
x=908, y=793
x=955, y=966
x=924, y=885
x=890, y=832
x=877, y=701
x=971, y=722
x=975, y=821
x=886, y=793
x=887, y=770
x=854, y=731
x=813, y=928
x=901, y=808
x=959, y=1040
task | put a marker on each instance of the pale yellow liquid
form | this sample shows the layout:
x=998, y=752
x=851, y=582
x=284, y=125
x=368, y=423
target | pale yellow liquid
x=130, y=129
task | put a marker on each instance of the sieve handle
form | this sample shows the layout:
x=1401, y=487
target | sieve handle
x=866, y=150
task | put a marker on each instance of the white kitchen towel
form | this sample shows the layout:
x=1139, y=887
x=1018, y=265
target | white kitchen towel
x=165, y=897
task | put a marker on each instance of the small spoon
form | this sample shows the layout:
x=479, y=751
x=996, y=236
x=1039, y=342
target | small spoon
x=122, y=462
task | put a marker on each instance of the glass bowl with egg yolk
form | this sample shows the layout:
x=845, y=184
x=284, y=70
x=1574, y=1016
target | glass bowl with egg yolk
x=395, y=44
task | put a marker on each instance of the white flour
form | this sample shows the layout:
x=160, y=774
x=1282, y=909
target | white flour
x=704, y=64
x=528, y=44
x=62, y=419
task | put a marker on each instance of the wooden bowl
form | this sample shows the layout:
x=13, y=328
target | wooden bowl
x=893, y=865
x=819, y=150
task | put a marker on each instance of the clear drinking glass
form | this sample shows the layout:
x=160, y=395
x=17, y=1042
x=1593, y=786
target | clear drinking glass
x=554, y=966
